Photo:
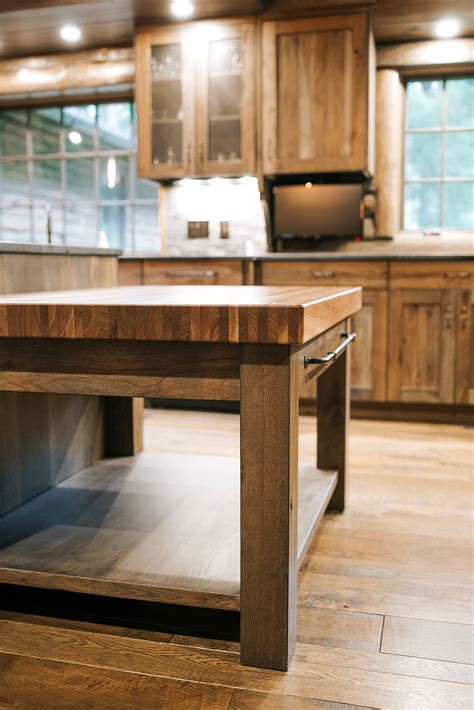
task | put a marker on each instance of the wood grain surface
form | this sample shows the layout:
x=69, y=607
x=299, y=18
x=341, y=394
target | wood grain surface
x=159, y=527
x=247, y=314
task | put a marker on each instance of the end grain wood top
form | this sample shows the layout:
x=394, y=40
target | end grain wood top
x=229, y=314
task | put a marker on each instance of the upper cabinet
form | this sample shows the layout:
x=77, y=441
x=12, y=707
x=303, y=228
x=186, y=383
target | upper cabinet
x=315, y=90
x=195, y=95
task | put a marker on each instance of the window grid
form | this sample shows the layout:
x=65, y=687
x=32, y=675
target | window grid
x=443, y=130
x=30, y=158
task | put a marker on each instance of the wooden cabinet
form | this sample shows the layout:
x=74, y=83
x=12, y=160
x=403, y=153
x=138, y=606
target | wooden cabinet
x=431, y=332
x=371, y=274
x=369, y=351
x=315, y=84
x=422, y=345
x=193, y=271
x=464, y=388
x=195, y=100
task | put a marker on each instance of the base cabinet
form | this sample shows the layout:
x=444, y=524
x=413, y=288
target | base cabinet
x=369, y=350
x=422, y=345
x=464, y=392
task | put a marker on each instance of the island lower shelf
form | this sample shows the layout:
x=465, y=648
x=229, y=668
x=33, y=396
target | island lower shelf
x=156, y=527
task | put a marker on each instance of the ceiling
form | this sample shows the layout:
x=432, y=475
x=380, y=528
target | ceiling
x=31, y=26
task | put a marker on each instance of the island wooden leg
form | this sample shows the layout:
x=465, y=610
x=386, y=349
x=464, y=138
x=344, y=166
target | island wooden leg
x=269, y=501
x=123, y=429
x=333, y=424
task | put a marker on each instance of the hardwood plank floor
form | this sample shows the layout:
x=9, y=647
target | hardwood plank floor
x=428, y=639
x=384, y=599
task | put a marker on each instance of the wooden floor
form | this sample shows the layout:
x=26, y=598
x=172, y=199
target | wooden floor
x=385, y=597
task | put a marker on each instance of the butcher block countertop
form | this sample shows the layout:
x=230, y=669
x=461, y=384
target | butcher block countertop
x=225, y=314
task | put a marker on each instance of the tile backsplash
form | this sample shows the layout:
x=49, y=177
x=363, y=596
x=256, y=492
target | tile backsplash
x=232, y=200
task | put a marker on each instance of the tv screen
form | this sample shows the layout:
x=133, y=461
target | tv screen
x=317, y=210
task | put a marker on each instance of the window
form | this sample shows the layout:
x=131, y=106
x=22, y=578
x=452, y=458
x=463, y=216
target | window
x=439, y=155
x=71, y=171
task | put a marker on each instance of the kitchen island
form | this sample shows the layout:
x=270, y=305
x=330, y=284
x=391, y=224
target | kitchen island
x=168, y=529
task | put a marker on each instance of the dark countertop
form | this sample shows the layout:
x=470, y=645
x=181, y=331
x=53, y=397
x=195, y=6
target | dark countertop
x=31, y=248
x=304, y=256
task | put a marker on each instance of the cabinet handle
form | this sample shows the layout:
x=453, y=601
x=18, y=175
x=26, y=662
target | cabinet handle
x=201, y=153
x=190, y=274
x=464, y=317
x=449, y=316
x=456, y=274
x=333, y=355
x=323, y=274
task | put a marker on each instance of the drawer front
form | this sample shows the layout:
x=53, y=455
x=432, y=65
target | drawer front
x=324, y=273
x=436, y=274
x=327, y=342
x=192, y=271
x=130, y=273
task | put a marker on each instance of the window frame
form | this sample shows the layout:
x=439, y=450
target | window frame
x=442, y=180
x=96, y=154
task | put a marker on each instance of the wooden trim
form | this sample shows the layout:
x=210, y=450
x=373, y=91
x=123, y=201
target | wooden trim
x=126, y=590
x=429, y=54
x=410, y=412
x=389, y=152
x=125, y=385
x=333, y=424
x=89, y=69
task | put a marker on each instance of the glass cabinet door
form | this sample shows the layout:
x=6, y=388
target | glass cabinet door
x=226, y=98
x=165, y=105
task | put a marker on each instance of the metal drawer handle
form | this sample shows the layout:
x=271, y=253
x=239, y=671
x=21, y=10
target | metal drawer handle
x=323, y=274
x=191, y=274
x=348, y=338
x=456, y=275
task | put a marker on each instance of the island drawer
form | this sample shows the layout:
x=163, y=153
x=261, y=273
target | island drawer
x=432, y=274
x=372, y=274
x=193, y=271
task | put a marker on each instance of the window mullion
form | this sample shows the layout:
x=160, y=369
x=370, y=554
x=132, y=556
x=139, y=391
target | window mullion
x=444, y=115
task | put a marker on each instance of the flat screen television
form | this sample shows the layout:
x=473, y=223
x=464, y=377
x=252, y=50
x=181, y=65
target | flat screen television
x=317, y=210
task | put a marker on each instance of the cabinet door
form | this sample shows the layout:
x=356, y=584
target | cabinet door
x=422, y=345
x=315, y=84
x=465, y=347
x=226, y=100
x=165, y=82
x=193, y=271
x=369, y=351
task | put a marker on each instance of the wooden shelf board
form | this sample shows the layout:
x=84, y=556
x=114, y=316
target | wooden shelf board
x=158, y=527
x=314, y=493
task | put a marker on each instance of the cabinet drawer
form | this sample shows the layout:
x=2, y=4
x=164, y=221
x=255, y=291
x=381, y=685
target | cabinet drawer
x=192, y=271
x=434, y=274
x=130, y=273
x=324, y=273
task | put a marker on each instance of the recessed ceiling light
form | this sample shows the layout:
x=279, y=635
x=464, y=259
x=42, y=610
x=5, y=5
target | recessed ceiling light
x=182, y=8
x=449, y=27
x=75, y=137
x=70, y=33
